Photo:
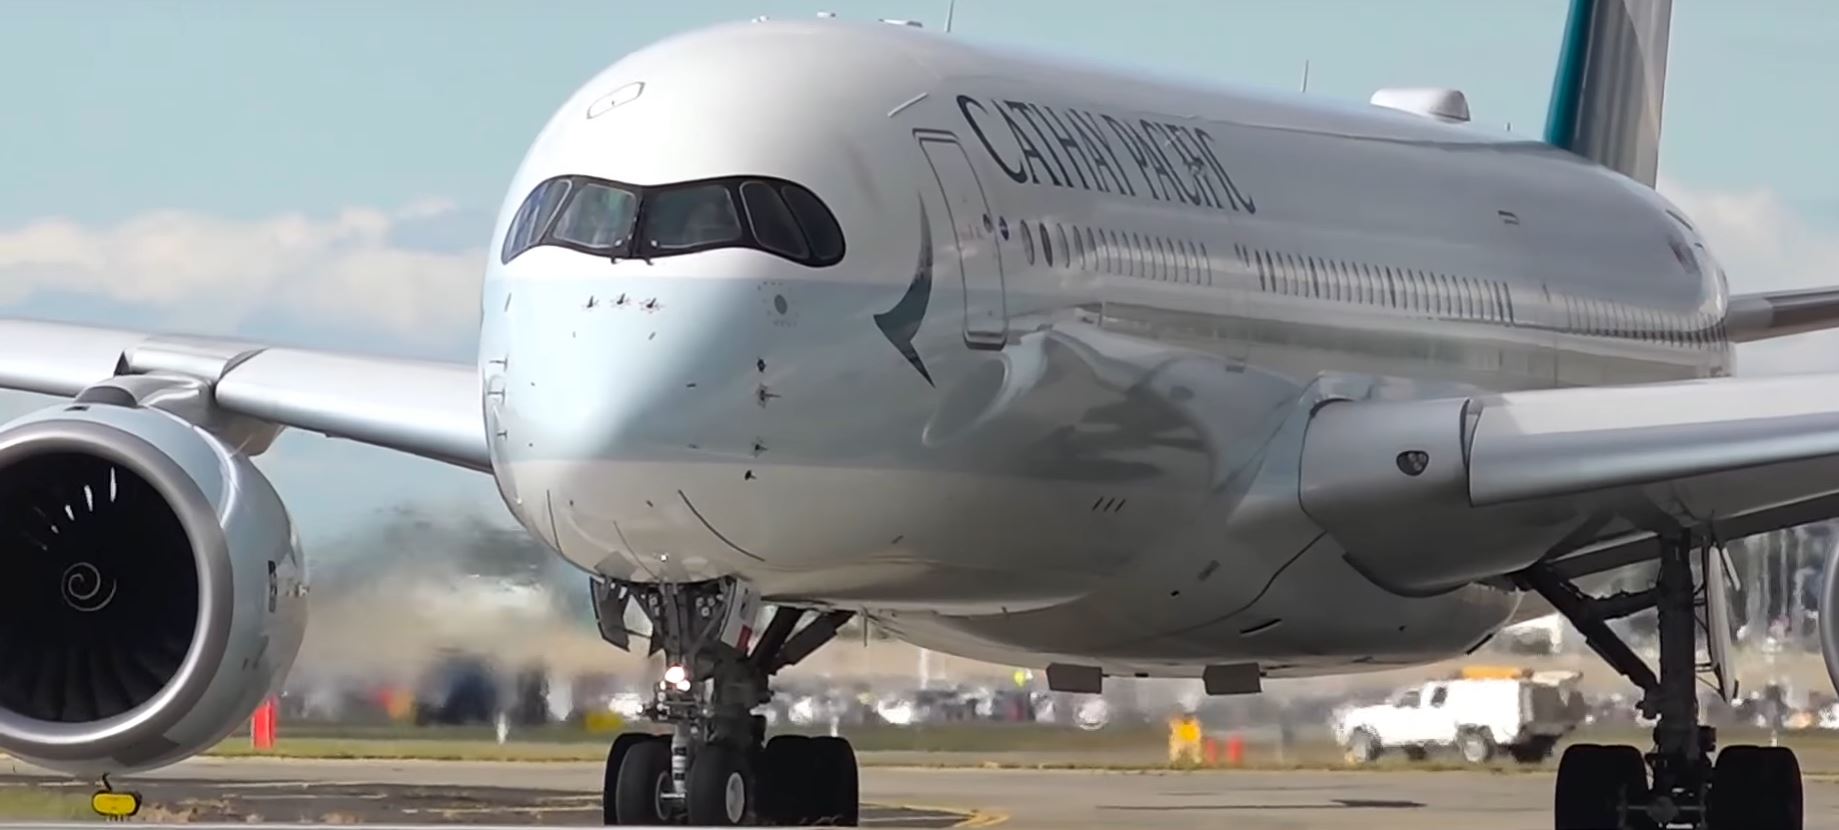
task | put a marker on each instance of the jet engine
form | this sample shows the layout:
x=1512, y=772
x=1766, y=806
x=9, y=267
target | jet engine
x=1829, y=620
x=151, y=588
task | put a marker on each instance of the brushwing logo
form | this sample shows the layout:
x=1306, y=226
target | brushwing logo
x=901, y=323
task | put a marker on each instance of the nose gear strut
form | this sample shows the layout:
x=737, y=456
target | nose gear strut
x=716, y=767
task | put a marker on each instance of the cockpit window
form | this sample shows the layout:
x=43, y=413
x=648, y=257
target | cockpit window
x=598, y=217
x=771, y=221
x=691, y=217
x=533, y=217
x=819, y=225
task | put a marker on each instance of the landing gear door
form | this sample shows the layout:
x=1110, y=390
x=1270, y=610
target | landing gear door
x=974, y=257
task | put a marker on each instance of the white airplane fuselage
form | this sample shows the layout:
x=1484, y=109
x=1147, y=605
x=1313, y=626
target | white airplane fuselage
x=1049, y=403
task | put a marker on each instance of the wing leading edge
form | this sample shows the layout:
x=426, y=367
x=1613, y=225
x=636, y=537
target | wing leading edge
x=1728, y=457
x=1430, y=494
x=1781, y=313
x=423, y=408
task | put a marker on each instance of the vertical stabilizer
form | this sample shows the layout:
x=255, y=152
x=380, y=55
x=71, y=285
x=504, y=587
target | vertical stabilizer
x=1612, y=72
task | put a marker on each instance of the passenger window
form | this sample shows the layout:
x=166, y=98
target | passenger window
x=1408, y=700
x=533, y=218
x=691, y=217
x=1060, y=236
x=1439, y=696
x=772, y=221
x=823, y=235
x=1027, y=242
x=1047, y=245
x=1079, y=248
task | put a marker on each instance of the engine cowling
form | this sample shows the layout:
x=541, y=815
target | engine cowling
x=151, y=588
x=1829, y=620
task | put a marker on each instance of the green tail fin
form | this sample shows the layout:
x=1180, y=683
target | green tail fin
x=1611, y=80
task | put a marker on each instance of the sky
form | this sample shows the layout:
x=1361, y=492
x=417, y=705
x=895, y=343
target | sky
x=324, y=172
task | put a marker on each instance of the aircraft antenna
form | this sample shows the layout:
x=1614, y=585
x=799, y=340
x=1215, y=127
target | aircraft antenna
x=1305, y=75
x=951, y=10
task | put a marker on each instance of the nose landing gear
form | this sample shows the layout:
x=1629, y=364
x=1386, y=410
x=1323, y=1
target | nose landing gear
x=1608, y=787
x=716, y=767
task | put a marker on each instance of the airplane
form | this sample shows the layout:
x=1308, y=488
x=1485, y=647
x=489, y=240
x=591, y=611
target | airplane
x=1021, y=359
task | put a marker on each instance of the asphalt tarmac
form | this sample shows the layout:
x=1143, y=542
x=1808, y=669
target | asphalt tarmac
x=434, y=792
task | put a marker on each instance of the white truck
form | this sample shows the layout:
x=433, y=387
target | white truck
x=1479, y=718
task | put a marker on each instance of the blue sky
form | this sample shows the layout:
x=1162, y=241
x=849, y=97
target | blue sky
x=324, y=172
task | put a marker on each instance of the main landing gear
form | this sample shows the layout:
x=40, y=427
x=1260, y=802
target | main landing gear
x=715, y=767
x=1608, y=787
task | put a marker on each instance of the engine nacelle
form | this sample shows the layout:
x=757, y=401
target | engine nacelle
x=1829, y=621
x=152, y=591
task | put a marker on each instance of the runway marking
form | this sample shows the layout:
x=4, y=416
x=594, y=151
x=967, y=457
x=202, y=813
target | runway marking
x=984, y=818
x=969, y=818
x=520, y=808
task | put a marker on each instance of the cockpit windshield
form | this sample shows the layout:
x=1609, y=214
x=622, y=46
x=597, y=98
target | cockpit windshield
x=600, y=217
x=691, y=217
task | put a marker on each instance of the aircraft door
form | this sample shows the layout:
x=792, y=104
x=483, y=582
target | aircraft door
x=975, y=254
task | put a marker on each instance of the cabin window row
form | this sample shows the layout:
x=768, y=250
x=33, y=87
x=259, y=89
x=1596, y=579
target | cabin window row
x=1110, y=251
x=1411, y=289
x=1458, y=297
x=1601, y=318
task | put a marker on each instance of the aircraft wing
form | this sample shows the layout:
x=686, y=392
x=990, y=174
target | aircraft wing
x=425, y=408
x=1780, y=313
x=1546, y=443
x=1605, y=467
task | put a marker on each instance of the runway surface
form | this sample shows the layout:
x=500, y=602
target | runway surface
x=562, y=793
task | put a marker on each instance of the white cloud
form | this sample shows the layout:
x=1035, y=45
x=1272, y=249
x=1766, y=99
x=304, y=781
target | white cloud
x=217, y=273
x=1765, y=245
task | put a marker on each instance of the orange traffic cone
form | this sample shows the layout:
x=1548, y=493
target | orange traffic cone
x=263, y=725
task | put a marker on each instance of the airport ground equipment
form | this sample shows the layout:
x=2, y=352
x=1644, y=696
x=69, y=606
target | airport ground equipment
x=1479, y=718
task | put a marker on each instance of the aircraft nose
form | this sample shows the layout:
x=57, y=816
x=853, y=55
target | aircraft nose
x=618, y=408
x=627, y=370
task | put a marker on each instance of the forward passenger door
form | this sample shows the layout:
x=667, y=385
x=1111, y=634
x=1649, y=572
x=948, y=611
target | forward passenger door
x=970, y=252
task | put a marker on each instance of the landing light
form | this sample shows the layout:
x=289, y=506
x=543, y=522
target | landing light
x=677, y=676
